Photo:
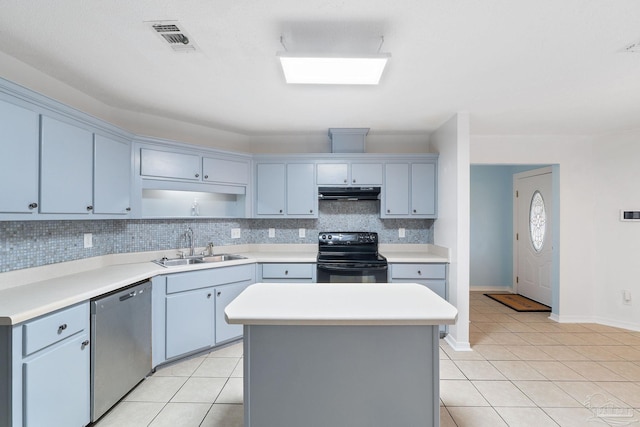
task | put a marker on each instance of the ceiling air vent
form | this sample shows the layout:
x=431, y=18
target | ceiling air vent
x=174, y=35
x=633, y=48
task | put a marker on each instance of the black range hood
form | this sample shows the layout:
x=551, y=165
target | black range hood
x=348, y=193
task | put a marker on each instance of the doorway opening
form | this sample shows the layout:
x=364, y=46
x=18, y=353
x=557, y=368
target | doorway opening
x=493, y=245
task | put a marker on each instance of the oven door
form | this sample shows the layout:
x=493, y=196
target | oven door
x=351, y=273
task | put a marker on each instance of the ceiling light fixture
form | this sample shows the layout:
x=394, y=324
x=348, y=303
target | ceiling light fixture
x=333, y=69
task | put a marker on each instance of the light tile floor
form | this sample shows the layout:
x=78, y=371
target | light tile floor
x=525, y=370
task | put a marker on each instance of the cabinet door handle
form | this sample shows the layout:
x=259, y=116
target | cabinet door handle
x=90, y=208
x=419, y=273
x=345, y=181
x=354, y=181
x=33, y=205
x=414, y=211
x=388, y=210
x=209, y=295
x=219, y=293
x=62, y=328
x=85, y=343
x=206, y=177
x=310, y=210
x=197, y=175
x=280, y=211
x=286, y=272
x=128, y=209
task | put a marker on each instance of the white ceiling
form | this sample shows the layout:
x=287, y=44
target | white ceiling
x=518, y=67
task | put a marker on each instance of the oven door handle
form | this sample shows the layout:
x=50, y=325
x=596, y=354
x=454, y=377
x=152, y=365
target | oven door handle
x=337, y=267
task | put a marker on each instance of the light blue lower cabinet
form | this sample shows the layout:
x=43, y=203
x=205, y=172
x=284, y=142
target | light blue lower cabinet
x=433, y=276
x=44, y=370
x=188, y=310
x=224, y=295
x=189, y=321
x=56, y=385
x=287, y=272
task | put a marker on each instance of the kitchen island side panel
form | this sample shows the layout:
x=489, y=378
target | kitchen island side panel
x=5, y=376
x=356, y=376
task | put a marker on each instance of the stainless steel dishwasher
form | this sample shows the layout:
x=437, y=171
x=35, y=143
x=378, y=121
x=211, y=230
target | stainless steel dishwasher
x=120, y=344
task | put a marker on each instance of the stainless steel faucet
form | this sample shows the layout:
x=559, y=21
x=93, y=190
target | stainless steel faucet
x=189, y=235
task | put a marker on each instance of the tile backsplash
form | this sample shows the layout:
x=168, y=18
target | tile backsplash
x=25, y=244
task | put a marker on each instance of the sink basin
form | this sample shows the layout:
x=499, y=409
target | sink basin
x=222, y=257
x=174, y=262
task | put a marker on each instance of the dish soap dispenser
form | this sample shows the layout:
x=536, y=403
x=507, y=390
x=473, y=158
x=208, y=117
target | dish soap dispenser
x=195, y=209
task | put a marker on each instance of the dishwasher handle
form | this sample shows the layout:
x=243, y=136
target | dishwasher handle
x=129, y=295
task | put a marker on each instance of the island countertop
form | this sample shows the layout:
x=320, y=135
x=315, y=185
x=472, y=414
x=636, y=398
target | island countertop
x=340, y=304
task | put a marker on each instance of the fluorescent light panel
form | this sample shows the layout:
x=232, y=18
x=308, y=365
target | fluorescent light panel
x=316, y=69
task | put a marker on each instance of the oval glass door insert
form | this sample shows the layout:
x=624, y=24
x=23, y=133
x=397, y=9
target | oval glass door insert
x=537, y=221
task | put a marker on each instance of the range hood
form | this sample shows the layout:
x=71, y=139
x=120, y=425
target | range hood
x=348, y=193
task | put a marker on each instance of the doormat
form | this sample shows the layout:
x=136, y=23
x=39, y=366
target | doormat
x=518, y=302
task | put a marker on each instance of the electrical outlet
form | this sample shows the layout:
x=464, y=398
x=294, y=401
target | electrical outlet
x=272, y=232
x=401, y=233
x=626, y=297
x=88, y=240
x=235, y=233
x=302, y=232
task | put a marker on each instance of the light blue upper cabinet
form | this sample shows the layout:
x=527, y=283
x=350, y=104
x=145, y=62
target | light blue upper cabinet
x=286, y=190
x=66, y=174
x=270, y=189
x=112, y=176
x=19, y=159
x=302, y=196
x=166, y=164
x=333, y=174
x=396, y=190
x=410, y=190
x=423, y=189
x=346, y=174
x=225, y=171
x=366, y=174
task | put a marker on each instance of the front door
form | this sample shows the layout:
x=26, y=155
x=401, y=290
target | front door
x=532, y=224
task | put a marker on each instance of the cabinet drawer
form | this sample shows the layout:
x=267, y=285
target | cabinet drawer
x=287, y=271
x=418, y=271
x=54, y=327
x=204, y=278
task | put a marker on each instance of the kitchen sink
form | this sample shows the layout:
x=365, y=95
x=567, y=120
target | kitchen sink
x=175, y=262
x=222, y=257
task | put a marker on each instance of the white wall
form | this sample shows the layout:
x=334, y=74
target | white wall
x=578, y=252
x=451, y=229
x=617, y=187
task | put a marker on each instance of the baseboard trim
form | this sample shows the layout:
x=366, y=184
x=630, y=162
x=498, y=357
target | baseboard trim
x=491, y=289
x=457, y=346
x=598, y=320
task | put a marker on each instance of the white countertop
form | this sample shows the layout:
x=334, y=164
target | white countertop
x=29, y=293
x=340, y=304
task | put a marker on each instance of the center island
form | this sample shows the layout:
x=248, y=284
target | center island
x=340, y=354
